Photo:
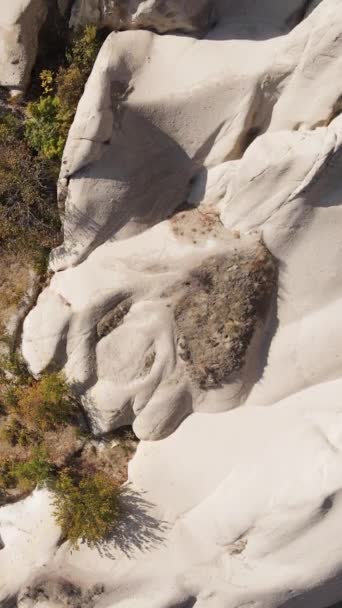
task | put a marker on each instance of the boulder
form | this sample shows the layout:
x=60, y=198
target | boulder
x=20, y=23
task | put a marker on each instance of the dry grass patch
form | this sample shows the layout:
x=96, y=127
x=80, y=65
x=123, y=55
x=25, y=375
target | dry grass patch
x=217, y=312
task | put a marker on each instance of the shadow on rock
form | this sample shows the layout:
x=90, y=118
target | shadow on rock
x=138, y=528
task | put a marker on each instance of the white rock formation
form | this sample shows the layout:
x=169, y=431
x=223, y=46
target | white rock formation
x=159, y=15
x=235, y=507
x=20, y=23
x=29, y=527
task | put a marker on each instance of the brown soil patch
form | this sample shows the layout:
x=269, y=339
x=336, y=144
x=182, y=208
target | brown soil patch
x=110, y=456
x=197, y=224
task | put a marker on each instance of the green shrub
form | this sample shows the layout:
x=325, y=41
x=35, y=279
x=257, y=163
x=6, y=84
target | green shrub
x=35, y=472
x=46, y=404
x=85, y=49
x=86, y=509
x=48, y=120
x=43, y=126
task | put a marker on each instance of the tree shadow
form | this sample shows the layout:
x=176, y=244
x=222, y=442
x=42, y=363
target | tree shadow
x=141, y=178
x=137, y=529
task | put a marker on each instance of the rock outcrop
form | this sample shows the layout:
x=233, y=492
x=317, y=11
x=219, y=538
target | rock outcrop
x=127, y=339
x=20, y=23
x=197, y=296
x=160, y=15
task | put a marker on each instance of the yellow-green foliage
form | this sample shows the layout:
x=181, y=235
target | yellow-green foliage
x=85, y=500
x=46, y=404
x=27, y=475
x=48, y=120
x=35, y=472
x=86, y=509
x=43, y=126
x=35, y=405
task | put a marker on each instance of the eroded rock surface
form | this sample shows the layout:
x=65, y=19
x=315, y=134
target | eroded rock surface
x=127, y=340
x=136, y=146
x=20, y=23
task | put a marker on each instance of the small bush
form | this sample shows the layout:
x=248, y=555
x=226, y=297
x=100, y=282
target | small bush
x=86, y=509
x=43, y=126
x=85, y=49
x=35, y=472
x=46, y=404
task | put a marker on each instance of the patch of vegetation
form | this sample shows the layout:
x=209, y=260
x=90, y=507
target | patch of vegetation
x=45, y=405
x=86, y=509
x=42, y=444
x=42, y=430
x=7, y=478
x=48, y=119
x=29, y=220
x=32, y=140
x=33, y=406
x=225, y=297
x=13, y=432
x=35, y=472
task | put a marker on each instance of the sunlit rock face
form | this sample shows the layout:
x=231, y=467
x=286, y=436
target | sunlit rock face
x=20, y=23
x=197, y=296
x=154, y=327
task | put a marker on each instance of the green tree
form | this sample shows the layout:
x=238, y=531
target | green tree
x=48, y=120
